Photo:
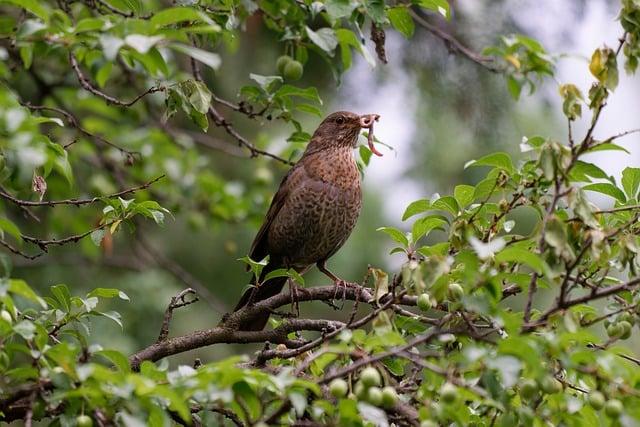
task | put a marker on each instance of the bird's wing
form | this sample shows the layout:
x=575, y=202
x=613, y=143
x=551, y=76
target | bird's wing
x=260, y=247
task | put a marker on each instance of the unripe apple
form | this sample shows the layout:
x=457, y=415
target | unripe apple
x=374, y=396
x=455, y=292
x=293, y=70
x=424, y=302
x=84, y=421
x=370, y=377
x=528, y=389
x=449, y=393
x=596, y=400
x=389, y=397
x=338, y=388
x=281, y=62
x=613, y=408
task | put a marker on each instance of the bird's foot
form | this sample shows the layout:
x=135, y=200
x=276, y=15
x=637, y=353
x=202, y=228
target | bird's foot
x=295, y=306
x=340, y=284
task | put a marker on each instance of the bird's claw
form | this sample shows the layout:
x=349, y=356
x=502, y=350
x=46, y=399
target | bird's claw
x=339, y=283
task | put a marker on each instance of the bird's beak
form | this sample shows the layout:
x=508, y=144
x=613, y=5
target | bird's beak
x=366, y=122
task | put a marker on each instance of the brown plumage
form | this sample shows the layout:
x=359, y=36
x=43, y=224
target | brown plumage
x=314, y=210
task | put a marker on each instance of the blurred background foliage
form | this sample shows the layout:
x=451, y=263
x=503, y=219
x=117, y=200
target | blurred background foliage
x=443, y=111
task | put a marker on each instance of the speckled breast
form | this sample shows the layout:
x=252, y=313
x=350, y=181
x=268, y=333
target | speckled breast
x=320, y=212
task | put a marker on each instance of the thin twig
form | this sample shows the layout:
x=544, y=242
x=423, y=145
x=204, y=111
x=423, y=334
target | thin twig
x=78, y=202
x=176, y=302
x=455, y=46
x=88, y=86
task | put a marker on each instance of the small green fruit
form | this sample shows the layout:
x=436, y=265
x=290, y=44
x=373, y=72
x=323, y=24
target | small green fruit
x=84, y=421
x=282, y=62
x=550, y=385
x=293, y=71
x=614, y=330
x=389, y=397
x=625, y=328
x=374, y=396
x=528, y=389
x=448, y=393
x=596, y=400
x=338, y=388
x=360, y=390
x=6, y=316
x=370, y=377
x=613, y=408
x=455, y=292
x=628, y=317
x=424, y=302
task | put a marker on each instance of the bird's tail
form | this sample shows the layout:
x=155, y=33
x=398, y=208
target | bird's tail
x=266, y=290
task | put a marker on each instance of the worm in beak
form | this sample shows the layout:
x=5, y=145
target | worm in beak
x=366, y=122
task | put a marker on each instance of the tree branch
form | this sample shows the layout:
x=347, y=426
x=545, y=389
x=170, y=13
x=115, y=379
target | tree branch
x=78, y=202
x=456, y=46
x=88, y=86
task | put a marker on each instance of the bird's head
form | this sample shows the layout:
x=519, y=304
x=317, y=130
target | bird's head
x=341, y=129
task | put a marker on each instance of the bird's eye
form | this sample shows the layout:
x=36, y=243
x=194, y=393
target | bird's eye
x=340, y=120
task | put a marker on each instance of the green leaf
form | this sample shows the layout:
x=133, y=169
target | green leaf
x=7, y=226
x=401, y=20
x=265, y=82
x=97, y=236
x=174, y=15
x=26, y=329
x=424, y=226
x=199, y=96
x=499, y=160
x=113, y=315
x=36, y=7
x=396, y=235
x=208, y=58
x=581, y=172
x=440, y=6
x=415, y=208
x=514, y=86
x=448, y=204
x=283, y=272
x=347, y=38
x=119, y=360
x=375, y=10
x=308, y=93
x=61, y=292
x=519, y=255
x=103, y=74
x=339, y=8
x=324, y=38
x=142, y=43
x=607, y=189
x=255, y=266
x=108, y=293
x=607, y=146
x=631, y=181
x=464, y=194
x=26, y=54
x=89, y=24
x=20, y=287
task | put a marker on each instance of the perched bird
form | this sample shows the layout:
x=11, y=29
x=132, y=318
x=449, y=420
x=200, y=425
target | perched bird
x=314, y=210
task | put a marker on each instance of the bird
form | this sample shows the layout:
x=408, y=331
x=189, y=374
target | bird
x=314, y=210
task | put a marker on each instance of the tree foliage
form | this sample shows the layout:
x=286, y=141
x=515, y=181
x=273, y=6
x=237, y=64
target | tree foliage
x=501, y=322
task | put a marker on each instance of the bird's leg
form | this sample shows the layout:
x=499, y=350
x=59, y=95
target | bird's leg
x=293, y=291
x=338, y=282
